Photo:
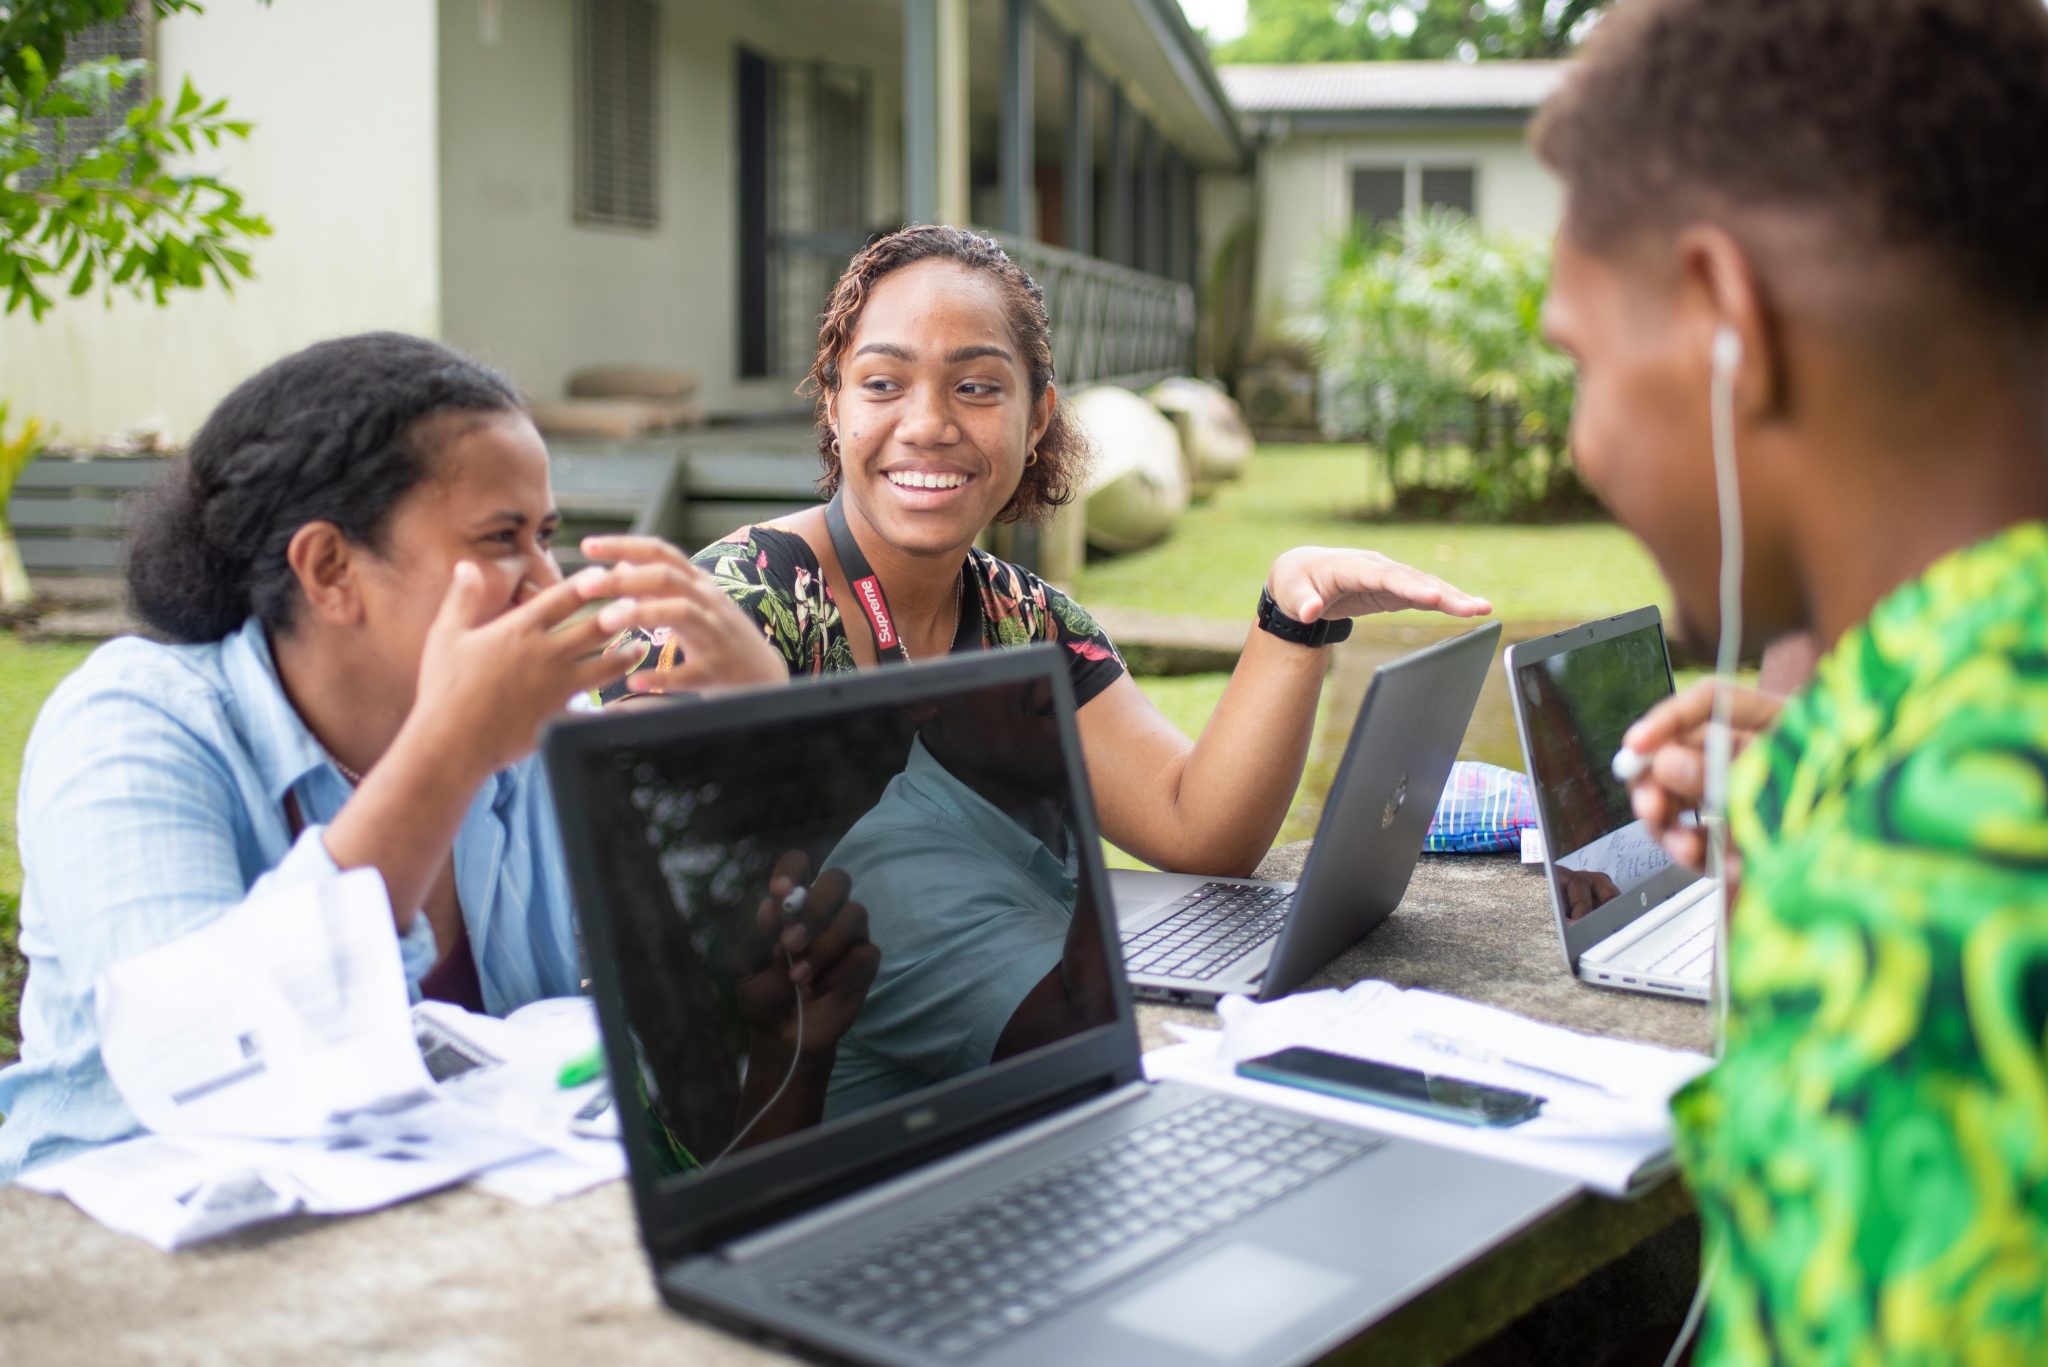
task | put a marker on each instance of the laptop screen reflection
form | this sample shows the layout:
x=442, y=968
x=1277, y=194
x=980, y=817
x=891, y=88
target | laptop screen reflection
x=943, y=926
x=1577, y=704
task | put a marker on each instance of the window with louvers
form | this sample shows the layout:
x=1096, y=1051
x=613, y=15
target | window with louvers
x=125, y=39
x=1451, y=187
x=803, y=213
x=615, y=108
x=1379, y=196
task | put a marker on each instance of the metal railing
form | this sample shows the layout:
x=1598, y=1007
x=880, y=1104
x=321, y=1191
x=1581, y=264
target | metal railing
x=1110, y=324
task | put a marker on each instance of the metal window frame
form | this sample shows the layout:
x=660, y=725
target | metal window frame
x=1411, y=169
x=142, y=15
x=613, y=212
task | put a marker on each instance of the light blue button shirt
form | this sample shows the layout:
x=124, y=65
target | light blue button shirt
x=970, y=912
x=152, y=802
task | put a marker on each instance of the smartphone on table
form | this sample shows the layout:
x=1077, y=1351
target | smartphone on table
x=1385, y=1084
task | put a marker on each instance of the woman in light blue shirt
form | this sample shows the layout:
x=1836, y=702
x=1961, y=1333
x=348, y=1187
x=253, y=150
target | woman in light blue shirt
x=353, y=563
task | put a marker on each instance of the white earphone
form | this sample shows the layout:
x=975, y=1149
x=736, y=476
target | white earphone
x=1727, y=364
x=1727, y=351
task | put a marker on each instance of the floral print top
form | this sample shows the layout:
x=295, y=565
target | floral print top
x=775, y=578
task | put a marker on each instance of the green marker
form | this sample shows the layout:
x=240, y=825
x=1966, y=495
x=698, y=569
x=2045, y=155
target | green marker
x=581, y=1069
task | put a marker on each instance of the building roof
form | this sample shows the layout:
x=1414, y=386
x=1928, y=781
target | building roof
x=1393, y=88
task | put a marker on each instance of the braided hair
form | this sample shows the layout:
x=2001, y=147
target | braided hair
x=333, y=433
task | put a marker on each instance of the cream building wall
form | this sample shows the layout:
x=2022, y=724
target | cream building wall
x=1305, y=185
x=531, y=289
x=342, y=162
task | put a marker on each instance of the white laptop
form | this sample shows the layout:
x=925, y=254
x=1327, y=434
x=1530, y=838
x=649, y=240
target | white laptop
x=1627, y=914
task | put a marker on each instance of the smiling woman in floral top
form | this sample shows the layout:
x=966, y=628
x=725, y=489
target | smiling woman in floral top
x=773, y=574
x=937, y=417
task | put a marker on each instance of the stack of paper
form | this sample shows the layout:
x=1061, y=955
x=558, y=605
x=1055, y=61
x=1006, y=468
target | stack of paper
x=1606, y=1118
x=274, y=1057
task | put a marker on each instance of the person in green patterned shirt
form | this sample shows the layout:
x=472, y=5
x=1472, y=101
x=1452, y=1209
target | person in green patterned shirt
x=1854, y=188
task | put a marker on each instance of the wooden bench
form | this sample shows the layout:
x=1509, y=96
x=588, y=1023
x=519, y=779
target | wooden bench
x=690, y=489
x=70, y=513
x=608, y=487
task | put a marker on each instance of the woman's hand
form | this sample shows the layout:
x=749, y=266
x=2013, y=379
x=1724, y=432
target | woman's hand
x=1311, y=583
x=821, y=952
x=1674, y=736
x=655, y=585
x=488, y=684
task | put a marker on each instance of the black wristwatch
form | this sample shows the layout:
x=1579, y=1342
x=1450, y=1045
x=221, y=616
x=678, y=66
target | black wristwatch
x=1323, y=633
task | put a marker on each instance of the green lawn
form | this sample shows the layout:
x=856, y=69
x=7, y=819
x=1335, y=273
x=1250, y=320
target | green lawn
x=1217, y=557
x=1212, y=566
x=27, y=674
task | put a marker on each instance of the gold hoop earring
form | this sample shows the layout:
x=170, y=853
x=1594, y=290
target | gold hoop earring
x=1031, y=459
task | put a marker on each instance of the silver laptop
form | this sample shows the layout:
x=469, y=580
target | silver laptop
x=948, y=1153
x=1193, y=939
x=1627, y=915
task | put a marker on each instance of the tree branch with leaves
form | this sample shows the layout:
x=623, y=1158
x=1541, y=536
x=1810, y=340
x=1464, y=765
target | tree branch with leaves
x=1409, y=30
x=127, y=211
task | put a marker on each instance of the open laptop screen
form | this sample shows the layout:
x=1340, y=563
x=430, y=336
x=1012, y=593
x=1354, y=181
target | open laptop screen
x=945, y=929
x=1576, y=704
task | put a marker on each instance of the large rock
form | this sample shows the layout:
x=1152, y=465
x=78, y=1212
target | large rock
x=1214, y=437
x=1138, y=485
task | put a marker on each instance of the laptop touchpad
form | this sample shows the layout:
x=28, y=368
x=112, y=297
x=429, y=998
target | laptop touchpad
x=1230, y=1301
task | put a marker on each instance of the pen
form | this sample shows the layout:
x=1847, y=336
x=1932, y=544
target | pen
x=583, y=1068
x=1446, y=1045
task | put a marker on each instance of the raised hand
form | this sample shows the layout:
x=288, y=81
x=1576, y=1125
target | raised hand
x=1584, y=891
x=488, y=684
x=823, y=953
x=1311, y=583
x=1674, y=735
x=656, y=586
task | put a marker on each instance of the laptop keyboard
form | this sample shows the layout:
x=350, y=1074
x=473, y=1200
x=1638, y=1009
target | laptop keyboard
x=1692, y=957
x=1208, y=930
x=956, y=1282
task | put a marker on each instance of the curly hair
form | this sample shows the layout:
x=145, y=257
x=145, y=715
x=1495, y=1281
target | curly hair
x=338, y=432
x=1910, y=124
x=1050, y=481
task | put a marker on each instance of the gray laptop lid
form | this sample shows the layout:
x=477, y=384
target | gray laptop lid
x=1371, y=832
x=1576, y=693
x=949, y=801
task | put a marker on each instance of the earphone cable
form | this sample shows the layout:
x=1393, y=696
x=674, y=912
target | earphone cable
x=1720, y=738
x=795, y=1057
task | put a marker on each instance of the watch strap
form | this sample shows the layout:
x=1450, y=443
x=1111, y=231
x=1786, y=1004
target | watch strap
x=1324, y=633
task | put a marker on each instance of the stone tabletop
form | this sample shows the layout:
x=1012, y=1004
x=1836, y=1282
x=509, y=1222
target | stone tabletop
x=468, y=1278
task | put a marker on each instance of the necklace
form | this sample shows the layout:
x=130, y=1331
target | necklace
x=954, y=634
x=355, y=780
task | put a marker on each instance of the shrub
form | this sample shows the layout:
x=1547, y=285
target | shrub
x=1429, y=338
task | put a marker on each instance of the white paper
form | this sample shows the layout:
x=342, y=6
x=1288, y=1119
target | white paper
x=159, y=1191
x=283, y=1070
x=281, y=1020
x=1627, y=855
x=176, y=1191
x=1609, y=1129
x=1532, y=845
x=577, y=1127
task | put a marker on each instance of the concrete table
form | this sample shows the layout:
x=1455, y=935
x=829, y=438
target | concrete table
x=467, y=1278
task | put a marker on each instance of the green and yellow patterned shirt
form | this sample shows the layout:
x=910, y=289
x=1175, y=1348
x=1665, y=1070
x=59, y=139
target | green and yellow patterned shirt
x=1870, y=1159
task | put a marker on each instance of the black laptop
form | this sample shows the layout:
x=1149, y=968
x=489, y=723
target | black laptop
x=876, y=1064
